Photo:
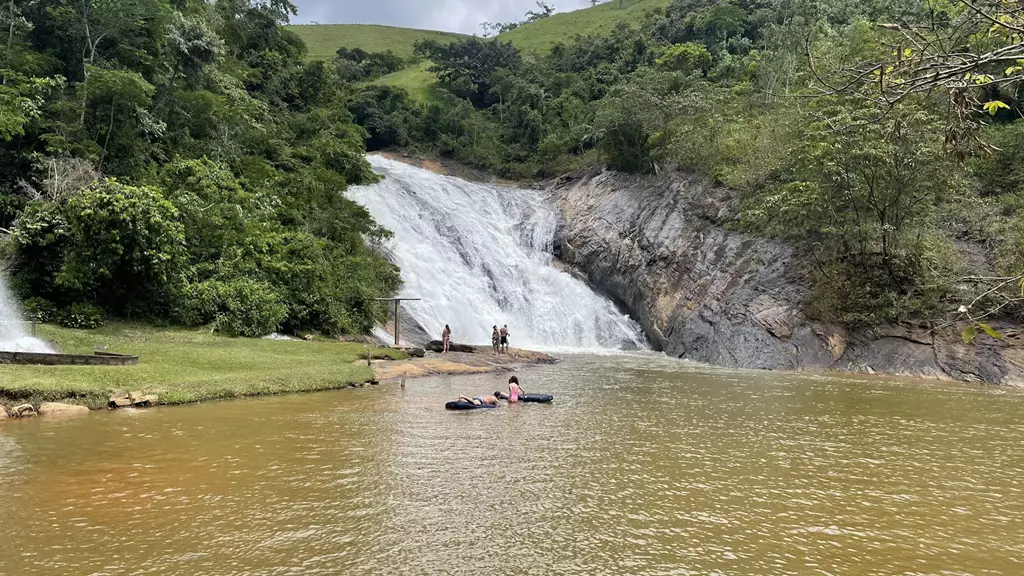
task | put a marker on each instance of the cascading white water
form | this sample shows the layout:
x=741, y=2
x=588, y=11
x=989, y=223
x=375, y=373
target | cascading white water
x=13, y=337
x=480, y=255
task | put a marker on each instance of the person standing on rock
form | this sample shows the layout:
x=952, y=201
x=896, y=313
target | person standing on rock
x=495, y=340
x=446, y=338
x=504, y=338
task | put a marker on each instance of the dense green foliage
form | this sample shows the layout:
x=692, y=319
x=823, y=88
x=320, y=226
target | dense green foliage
x=181, y=160
x=903, y=192
x=356, y=64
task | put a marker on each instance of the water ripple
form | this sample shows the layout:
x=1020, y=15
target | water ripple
x=642, y=466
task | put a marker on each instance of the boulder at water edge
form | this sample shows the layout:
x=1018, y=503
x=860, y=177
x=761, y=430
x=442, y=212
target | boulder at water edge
x=3, y=414
x=412, y=351
x=58, y=409
x=437, y=346
x=23, y=411
x=136, y=399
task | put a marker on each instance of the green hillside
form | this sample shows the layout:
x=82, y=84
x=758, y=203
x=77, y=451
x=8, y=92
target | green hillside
x=540, y=36
x=323, y=40
x=417, y=79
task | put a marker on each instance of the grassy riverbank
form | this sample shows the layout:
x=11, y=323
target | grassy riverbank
x=184, y=366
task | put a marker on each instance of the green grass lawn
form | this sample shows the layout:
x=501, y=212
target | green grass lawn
x=184, y=366
x=323, y=40
x=538, y=37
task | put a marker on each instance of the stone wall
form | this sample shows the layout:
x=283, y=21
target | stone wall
x=98, y=359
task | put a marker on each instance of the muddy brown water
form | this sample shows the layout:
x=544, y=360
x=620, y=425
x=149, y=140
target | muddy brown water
x=641, y=466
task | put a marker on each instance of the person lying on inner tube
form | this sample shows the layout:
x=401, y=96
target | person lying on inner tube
x=480, y=400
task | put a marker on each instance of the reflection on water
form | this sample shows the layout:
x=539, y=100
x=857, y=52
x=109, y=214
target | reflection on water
x=642, y=466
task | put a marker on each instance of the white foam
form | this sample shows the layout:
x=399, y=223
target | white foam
x=13, y=334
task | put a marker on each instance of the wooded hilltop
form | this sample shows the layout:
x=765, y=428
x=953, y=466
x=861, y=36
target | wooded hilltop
x=182, y=160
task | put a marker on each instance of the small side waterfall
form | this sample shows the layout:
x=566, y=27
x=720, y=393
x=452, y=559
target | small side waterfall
x=480, y=255
x=13, y=336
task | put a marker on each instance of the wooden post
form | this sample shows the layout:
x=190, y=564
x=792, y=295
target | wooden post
x=398, y=313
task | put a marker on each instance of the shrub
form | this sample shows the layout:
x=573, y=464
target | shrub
x=40, y=310
x=117, y=246
x=81, y=315
x=237, y=307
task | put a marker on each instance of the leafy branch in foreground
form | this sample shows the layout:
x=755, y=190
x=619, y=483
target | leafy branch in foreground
x=973, y=52
x=1000, y=293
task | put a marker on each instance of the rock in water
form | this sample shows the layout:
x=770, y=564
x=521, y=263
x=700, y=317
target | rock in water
x=3, y=414
x=136, y=399
x=146, y=400
x=122, y=401
x=59, y=409
x=23, y=411
x=438, y=346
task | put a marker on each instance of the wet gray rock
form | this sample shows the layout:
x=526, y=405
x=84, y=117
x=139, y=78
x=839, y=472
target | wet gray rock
x=438, y=346
x=660, y=247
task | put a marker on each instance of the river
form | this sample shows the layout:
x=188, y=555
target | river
x=643, y=465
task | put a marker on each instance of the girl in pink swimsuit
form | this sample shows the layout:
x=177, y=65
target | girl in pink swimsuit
x=513, y=390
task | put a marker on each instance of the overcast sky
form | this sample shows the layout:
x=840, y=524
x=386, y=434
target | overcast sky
x=452, y=15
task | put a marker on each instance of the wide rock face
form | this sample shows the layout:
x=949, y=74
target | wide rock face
x=659, y=247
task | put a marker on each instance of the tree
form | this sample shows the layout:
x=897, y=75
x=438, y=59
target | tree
x=113, y=245
x=120, y=99
x=686, y=58
x=972, y=55
x=860, y=201
x=631, y=120
x=97, y=21
x=973, y=52
x=544, y=10
x=386, y=113
x=466, y=66
x=192, y=46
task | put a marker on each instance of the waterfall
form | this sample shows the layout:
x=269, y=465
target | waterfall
x=480, y=255
x=13, y=337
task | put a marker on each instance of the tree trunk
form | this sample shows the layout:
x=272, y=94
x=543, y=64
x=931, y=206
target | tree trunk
x=10, y=35
x=110, y=128
x=10, y=31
